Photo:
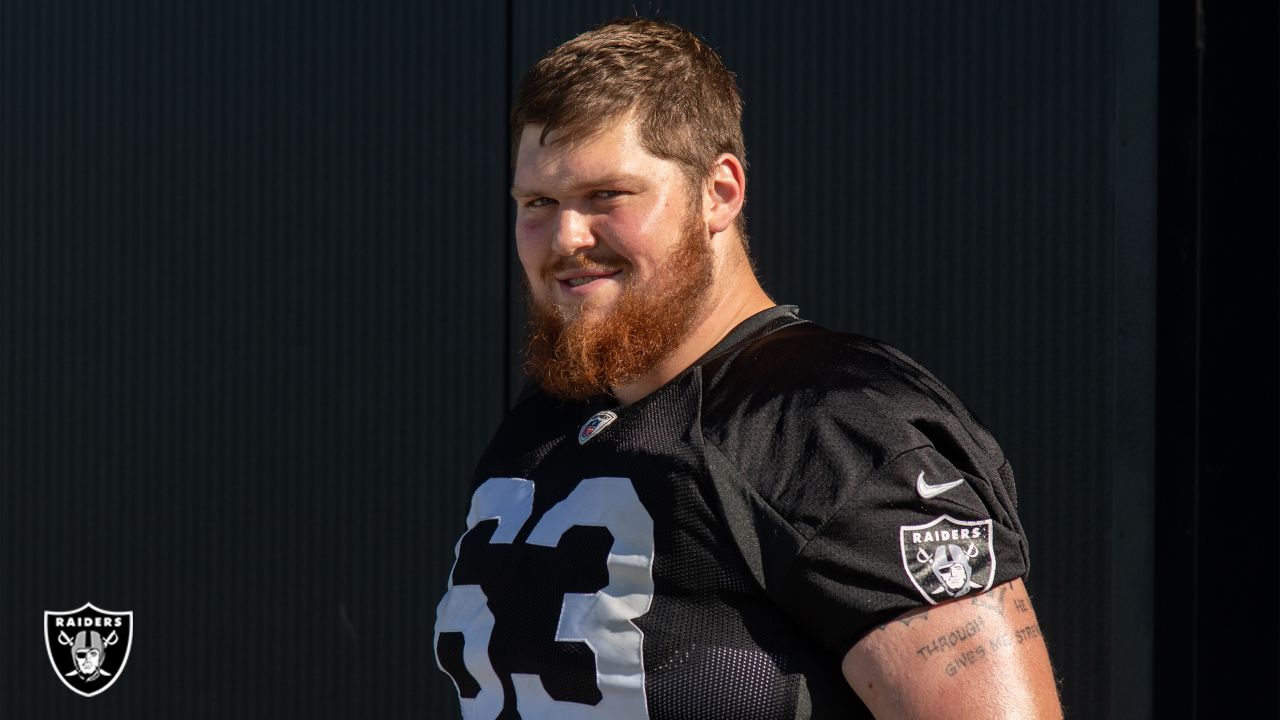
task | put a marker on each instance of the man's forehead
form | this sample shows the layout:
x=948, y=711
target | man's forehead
x=612, y=153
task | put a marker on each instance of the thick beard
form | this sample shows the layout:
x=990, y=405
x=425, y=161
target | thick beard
x=576, y=357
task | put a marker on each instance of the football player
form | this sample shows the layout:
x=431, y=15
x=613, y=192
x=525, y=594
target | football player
x=702, y=505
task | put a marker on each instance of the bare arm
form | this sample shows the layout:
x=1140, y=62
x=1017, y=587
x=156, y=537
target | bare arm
x=980, y=656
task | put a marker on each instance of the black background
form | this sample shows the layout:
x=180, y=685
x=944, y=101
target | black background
x=259, y=313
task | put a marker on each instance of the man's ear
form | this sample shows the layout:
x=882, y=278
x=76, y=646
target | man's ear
x=726, y=192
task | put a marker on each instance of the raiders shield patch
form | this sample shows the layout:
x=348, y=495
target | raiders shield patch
x=88, y=647
x=947, y=558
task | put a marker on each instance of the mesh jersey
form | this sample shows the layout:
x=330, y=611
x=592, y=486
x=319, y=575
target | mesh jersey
x=712, y=550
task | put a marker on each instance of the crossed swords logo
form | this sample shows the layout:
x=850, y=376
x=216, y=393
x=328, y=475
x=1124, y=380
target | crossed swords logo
x=924, y=557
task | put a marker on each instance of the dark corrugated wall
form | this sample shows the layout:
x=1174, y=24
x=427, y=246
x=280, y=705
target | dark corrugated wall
x=256, y=308
x=253, y=339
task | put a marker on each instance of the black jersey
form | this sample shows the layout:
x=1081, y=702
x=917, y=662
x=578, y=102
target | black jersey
x=714, y=549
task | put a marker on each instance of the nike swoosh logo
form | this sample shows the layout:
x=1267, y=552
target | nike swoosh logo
x=930, y=491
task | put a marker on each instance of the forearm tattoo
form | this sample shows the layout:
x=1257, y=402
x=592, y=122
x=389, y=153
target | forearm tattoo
x=959, y=648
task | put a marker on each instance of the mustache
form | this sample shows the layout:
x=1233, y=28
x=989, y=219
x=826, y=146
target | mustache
x=589, y=263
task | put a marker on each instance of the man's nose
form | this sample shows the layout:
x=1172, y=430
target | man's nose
x=573, y=233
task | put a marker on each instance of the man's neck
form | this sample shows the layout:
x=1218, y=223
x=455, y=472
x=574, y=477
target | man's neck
x=738, y=298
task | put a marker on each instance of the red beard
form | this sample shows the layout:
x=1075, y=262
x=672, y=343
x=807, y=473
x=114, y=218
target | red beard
x=576, y=357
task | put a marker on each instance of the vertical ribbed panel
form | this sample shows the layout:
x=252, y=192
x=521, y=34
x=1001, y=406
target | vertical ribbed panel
x=252, y=339
x=943, y=176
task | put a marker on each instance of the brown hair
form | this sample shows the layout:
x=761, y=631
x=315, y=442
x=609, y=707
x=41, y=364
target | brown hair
x=685, y=100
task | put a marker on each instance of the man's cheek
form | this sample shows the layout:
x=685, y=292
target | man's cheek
x=531, y=257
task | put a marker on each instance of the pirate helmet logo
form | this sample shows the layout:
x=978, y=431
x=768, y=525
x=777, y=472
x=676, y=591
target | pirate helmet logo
x=951, y=567
x=947, y=558
x=88, y=647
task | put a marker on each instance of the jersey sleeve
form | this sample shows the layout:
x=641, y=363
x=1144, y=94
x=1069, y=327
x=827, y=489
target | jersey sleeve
x=855, y=484
x=917, y=531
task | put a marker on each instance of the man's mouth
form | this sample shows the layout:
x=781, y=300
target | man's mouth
x=578, y=279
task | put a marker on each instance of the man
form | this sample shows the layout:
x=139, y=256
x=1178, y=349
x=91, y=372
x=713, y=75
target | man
x=88, y=651
x=704, y=506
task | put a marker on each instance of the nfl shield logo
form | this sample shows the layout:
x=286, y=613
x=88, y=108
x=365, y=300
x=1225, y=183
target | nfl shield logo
x=948, y=558
x=595, y=424
x=88, y=647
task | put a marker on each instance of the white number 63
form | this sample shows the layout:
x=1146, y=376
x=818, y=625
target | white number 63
x=602, y=620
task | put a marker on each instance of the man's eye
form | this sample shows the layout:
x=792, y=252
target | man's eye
x=539, y=202
x=608, y=194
